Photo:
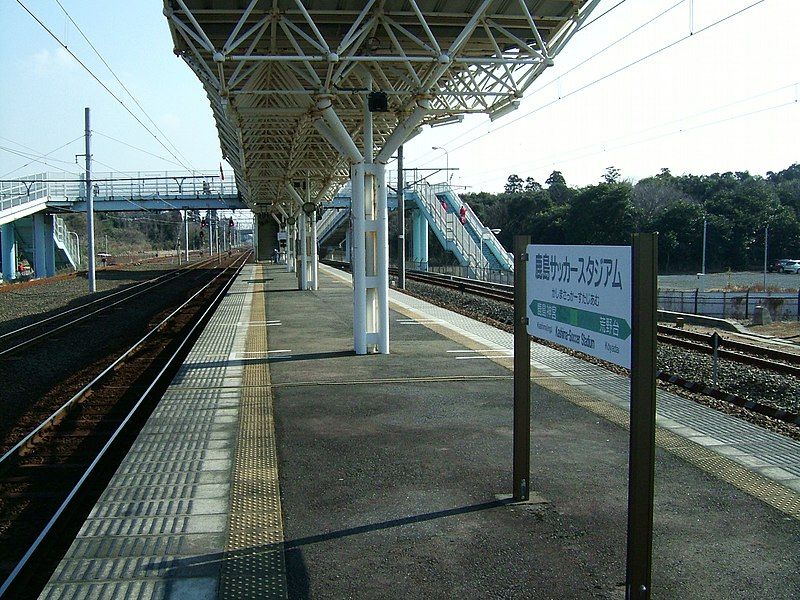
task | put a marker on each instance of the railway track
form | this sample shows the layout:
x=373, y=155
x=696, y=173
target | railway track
x=52, y=476
x=734, y=350
x=22, y=337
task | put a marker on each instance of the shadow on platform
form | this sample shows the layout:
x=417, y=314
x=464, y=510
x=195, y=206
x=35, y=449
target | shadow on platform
x=263, y=360
x=255, y=563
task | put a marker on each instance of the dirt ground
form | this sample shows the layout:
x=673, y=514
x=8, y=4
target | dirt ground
x=782, y=329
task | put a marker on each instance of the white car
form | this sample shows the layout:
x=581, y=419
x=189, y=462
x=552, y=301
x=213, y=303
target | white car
x=792, y=266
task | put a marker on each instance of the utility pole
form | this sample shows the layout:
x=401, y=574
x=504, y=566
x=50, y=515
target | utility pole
x=210, y=235
x=401, y=210
x=766, y=246
x=186, y=232
x=89, y=206
x=705, y=229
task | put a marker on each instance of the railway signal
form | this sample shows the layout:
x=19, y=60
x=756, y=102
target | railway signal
x=715, y=341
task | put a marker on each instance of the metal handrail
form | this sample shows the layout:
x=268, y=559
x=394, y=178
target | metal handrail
x=133, y=185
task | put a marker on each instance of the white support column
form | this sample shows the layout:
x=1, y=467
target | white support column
x=289, y=247
x=309, y=248
x=358, y=260
x=50, y=245
x=303, y=221
x=9, y=251
x=314, y=253
x=255, y=236
x=382, y=258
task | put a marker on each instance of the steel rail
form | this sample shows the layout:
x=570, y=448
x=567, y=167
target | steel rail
x=112, y=367
x=746, y=359
x=151, y=283
x=200, y=321
x=787, y=357
x=747, y=354
x=19, y=330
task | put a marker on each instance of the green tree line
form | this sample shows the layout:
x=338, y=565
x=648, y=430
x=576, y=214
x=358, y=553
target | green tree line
x=737, y=207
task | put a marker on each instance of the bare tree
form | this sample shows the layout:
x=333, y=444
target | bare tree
x=651, y=196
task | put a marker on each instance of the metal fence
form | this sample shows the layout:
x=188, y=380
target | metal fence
x=782, y=306
x=486, y=274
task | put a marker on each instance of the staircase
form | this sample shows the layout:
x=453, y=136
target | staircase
x=67, y=242
x=331, y=220
x=20, y=200
x=473, y=244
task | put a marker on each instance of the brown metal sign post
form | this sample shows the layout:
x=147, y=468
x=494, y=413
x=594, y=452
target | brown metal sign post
x=643, y=416
x=522, y=373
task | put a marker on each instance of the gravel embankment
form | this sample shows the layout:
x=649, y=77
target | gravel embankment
x=20, y=305
x=759, y=385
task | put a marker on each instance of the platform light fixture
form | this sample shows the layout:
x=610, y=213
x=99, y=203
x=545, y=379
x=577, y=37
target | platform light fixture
x=451, y=120
x=504, y=110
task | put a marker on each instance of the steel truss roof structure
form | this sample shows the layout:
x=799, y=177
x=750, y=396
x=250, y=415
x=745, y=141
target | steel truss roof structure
x=274, y=69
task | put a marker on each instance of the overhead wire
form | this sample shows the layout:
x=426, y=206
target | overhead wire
x=124, y=87
x=36, y=159
x=605, y=143
x=113, y=139
x=664, y=135
x=637, y=61
x=103, y=85
x=39, y=155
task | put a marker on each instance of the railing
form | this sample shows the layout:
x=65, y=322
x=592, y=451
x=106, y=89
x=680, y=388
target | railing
x=17, y=193
x=451, y=228
x=492, y=275
x=489, y=240
x=68, y=241
x=331, y=218
x=119, y=185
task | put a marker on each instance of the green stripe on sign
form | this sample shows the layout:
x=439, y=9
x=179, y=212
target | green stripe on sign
x=584, y=319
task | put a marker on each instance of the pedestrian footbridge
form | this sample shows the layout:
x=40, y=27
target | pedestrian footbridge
x=29, y=208
x=435, y=208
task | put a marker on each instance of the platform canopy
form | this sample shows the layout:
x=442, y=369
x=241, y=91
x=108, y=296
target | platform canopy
x=287, y=79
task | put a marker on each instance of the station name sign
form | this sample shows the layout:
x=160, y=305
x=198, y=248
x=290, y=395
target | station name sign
x=580, y=297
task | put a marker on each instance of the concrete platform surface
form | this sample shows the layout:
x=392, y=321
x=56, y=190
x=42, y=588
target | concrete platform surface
x=391, y=467
x=387, y=474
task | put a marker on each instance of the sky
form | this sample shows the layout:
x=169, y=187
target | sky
x=681, y=92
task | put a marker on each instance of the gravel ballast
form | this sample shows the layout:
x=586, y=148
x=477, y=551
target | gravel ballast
x=759, y=385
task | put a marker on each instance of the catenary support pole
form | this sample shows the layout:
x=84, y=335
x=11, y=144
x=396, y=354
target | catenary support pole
x=641, y=465
x=705, y=231
x=210, y=235
x=522, y=374
x=90, y=273
x=401, y=213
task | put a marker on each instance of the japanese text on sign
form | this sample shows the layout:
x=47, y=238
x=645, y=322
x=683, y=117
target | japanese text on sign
x=579, y=297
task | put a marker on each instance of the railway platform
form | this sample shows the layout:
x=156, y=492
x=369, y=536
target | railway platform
x=279, y=463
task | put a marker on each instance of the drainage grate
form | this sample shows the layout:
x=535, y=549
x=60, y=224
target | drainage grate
x=254, y=565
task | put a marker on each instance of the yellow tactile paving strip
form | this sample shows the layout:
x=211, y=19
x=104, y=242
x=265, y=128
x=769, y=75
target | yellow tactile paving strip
x=254, y=564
